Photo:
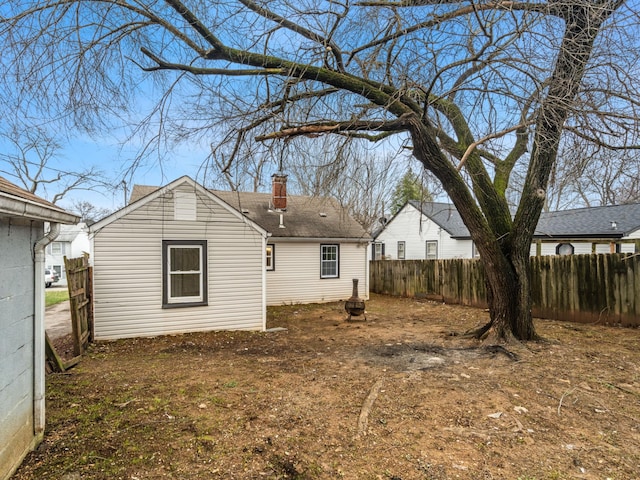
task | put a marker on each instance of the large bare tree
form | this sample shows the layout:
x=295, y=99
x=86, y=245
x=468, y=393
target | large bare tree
x=32, y=160
x=473, y=88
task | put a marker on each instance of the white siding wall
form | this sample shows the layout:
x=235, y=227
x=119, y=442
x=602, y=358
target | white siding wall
x=549, y=248
x=296, y=278
x=410, y=226
x=128, y=272
x=16, y=341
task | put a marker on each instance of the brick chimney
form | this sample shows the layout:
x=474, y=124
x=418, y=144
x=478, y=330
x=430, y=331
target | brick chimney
x=279, y=196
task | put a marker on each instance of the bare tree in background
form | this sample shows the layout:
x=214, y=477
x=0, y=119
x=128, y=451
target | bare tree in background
x=360, y=179
x=471, y=87
x=31, y=165
x=88, y=212
x=588, y=175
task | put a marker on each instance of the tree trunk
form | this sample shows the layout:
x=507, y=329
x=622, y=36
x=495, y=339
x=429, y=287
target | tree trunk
x=506, y=265
x=509, y=299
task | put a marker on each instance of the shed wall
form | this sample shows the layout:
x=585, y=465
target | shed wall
x=16, y=340
x=128, y=272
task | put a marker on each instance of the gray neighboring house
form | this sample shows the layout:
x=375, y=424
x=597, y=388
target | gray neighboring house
x=247, y=251
x=608, y=229
x=433, y=230
x=72, y=242
x=22, y=355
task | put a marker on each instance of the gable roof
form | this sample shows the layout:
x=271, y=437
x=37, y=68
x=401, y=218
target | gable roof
x=592, y=222
x=445, y=215
x=158, y=191
x=305, y=217
x=18, y=202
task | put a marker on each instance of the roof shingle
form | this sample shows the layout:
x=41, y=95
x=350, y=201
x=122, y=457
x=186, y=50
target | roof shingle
x=305, y=217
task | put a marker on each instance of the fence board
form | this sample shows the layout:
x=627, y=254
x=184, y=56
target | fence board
x=583, y=288
x=79, y=285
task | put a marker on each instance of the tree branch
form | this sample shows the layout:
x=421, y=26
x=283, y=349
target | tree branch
x=320, y=128
x=294, y=27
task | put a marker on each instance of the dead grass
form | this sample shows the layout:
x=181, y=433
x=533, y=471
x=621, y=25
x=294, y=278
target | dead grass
x=396, y=397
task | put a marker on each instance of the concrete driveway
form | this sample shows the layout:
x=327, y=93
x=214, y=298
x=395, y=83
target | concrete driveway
x=57, y=318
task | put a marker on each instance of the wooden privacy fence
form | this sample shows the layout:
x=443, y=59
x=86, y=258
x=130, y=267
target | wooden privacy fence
x=580, y=288
x=79, y=284
x=79, y=278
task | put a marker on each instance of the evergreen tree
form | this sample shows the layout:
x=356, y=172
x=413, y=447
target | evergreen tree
x=409, y=187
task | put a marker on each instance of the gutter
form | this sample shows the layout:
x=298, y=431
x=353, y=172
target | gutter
x=19, y=207
x=39, y=331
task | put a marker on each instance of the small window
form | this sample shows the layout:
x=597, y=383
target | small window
x=378, y=251
x=271, y=259
x=184, y=273
x=329, y=261
x=58, y=270
x=57, y=248
x=564, y=249
x=401, y=249
x=474, y=251
x=432, y=250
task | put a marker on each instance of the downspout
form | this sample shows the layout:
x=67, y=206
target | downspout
x=39, y=329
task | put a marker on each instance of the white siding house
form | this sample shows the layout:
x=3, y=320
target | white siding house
x=607, y=229
x=316, y=248
x=428, y=230
x=178, y=260
x=22, y=355
x=306, y=251
x=72, y=242
x=435, y=230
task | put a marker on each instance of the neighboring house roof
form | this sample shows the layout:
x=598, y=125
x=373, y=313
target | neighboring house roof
x=68, y=233
x=305, y=217
x=445, y=215
x=613, y=221
x=590, y=222
x=18, y=202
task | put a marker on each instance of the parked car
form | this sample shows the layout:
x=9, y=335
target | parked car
x=50, y=277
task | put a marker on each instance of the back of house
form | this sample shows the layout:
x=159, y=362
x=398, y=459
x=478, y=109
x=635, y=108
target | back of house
x=177, y=260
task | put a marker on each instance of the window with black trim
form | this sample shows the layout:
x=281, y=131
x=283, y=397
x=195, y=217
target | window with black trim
x=184, y=273
x=377, y=251
x=431, y=250
x=401, y=250
x=329, y=261
x=271, y=257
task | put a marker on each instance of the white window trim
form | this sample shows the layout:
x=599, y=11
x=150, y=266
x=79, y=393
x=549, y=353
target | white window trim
x=404, y=250
x=336, y=261
x=272, y=257
x=378, y=250
x=426, y=251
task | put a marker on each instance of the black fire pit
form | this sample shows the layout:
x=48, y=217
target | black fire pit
x=355, y=305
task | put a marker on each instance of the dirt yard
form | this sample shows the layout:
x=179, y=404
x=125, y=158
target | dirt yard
x=400, y=396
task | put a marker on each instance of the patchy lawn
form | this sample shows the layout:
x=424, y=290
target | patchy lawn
x=53, y=297
x=399, y=396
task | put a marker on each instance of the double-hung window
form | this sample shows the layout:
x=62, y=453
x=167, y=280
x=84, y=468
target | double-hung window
x=431, y=250
x=329, y=261
x=401, y=250
x=184, y=273
x=378, y=251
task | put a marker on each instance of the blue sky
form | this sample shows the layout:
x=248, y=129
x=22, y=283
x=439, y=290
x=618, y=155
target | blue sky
x=109, y=156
